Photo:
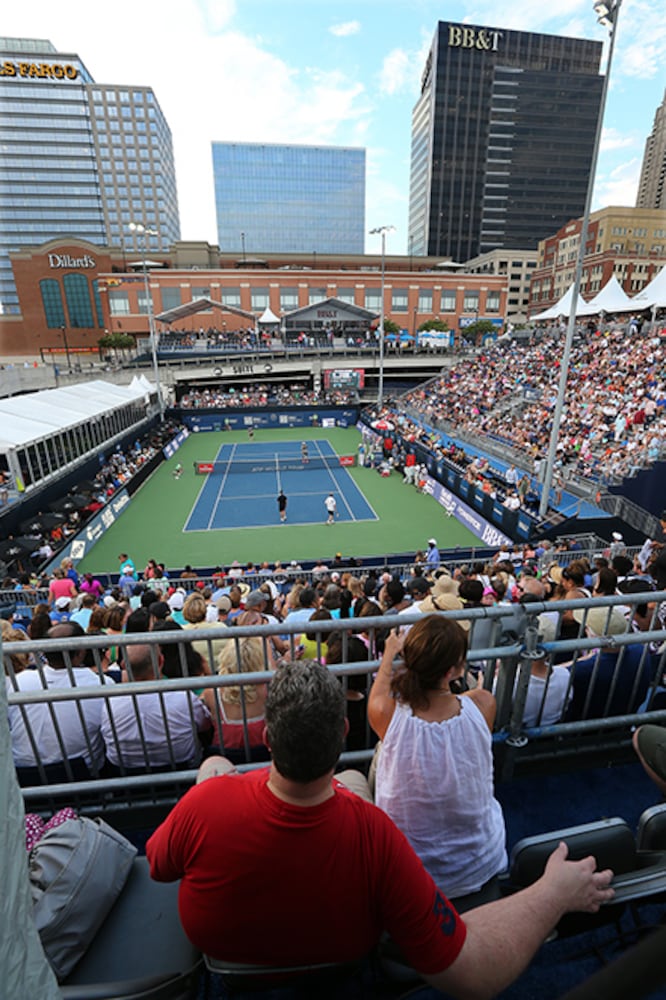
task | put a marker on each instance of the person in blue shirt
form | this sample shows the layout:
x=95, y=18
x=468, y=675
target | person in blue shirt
x=432, y=555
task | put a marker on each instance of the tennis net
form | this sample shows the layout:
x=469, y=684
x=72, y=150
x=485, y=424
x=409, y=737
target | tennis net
x=275, y=463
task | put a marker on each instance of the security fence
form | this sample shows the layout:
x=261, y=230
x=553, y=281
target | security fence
x=569, y=682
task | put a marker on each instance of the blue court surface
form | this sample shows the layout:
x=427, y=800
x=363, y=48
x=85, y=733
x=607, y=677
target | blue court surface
x=242, y=490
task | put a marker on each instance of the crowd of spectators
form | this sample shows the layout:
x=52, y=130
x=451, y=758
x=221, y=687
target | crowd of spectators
x=265, y=395
x=614, y=421
x=213, y=339
x=432, y=708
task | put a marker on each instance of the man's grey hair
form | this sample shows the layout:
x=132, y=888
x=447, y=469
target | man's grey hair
x=305, y=720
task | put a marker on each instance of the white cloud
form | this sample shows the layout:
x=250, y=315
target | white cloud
x=521, y=15
x=402, y=68
x=619, y=187
x=345, y=29
x=612, y=139
x=396, y=72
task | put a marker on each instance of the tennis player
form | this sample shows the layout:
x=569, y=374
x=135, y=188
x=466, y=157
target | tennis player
x=331, y=506
x=282, y=505
x=305, y=457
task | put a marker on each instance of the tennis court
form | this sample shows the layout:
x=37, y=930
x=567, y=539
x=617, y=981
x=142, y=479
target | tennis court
x=242, y=484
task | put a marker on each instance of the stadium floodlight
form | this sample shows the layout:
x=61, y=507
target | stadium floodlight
x=608, y=15
x=142, y=233
x=606, y=12
x=382, y=231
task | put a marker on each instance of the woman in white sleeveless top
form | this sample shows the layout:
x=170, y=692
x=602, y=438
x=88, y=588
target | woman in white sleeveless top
x=435, y=768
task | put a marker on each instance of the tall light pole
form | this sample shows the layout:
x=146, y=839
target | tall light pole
x=141, y=231
x=607, y=14
x=243, y=246
x=64, y=337
x=382, y=231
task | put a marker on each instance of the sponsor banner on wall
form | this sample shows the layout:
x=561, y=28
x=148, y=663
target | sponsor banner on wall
x=265, y=418
x=172, y=447
x=487, y=532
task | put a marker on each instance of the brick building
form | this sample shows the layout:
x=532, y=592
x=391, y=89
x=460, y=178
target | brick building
x=629, y=243
x=89, y=290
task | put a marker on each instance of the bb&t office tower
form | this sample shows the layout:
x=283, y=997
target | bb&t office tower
x=502, y=138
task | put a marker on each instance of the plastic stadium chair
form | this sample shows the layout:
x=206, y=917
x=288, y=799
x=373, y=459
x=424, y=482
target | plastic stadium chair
x=651, y=833
x=321, y=981
x=638, y=873
x=140, y=952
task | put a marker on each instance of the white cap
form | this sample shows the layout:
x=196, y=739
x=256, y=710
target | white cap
x=432, y=541
x=62, y=603
x=617, y=536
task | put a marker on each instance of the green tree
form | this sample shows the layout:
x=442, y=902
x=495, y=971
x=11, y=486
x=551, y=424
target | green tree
x=434, y=324
x=390, y=326
x=479, y=327
x=116, y=342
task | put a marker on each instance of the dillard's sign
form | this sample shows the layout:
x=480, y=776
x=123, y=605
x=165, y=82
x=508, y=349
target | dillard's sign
x=484, y=39
x=65, y=260
x=44, y=71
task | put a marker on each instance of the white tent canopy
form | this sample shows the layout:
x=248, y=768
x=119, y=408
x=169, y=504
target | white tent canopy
x=611, y=299
x=563, y=307
x=32, y=417
x=654, y=294
x=268, y=316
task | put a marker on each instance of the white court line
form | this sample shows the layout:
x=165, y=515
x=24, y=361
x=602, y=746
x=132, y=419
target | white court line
x=220, y=491
x=337, y=484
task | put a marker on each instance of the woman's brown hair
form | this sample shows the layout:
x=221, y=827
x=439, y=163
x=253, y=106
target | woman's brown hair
x=432, y=647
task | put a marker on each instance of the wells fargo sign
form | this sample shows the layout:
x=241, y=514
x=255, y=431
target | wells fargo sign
x=43, y=71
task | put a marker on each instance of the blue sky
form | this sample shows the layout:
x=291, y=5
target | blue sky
x=343, y=73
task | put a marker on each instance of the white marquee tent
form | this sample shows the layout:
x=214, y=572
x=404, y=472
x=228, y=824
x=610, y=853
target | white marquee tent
x=28, y=418
x=611, y=299
x=654, y=294
x=562, y=308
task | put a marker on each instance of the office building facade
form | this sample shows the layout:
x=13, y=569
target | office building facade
x=502, y=139
x=80, y=160
x=652, y=183
x=289, y=198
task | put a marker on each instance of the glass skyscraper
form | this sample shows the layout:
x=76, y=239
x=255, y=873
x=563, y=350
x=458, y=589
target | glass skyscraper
x=502, y=139
x=78, y=159
x=289, y=199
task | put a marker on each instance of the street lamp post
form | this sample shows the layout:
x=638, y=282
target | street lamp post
x=140, y=230
x=243, y=246
x=607, y=14
x=382, y=231
x=64, y=338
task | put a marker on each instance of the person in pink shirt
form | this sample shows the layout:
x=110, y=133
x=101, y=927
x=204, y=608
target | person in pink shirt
x=61, y=586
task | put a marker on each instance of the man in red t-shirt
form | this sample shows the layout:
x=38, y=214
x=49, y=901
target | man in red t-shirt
x=285, y=866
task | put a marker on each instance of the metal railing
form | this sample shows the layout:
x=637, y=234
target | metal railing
x=622, y=673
